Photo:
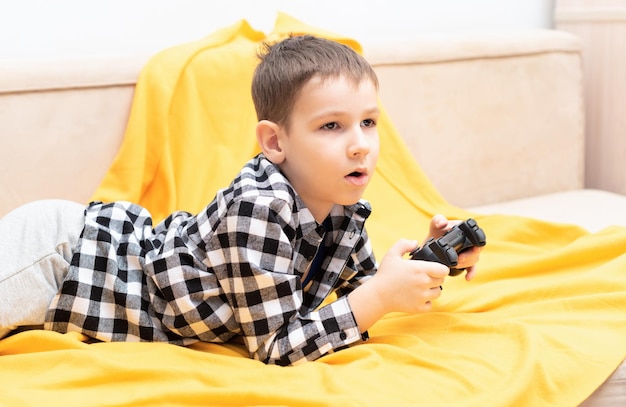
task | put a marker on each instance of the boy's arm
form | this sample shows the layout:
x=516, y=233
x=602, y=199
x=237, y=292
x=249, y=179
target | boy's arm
x=264, y=293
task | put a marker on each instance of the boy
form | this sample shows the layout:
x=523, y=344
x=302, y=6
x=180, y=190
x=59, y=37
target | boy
x=260, y=259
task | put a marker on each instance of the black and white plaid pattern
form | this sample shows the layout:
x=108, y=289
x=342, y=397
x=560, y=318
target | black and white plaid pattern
x=233, y=269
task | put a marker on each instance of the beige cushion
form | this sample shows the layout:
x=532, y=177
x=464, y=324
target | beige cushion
x=490, y=118
x=589, y=208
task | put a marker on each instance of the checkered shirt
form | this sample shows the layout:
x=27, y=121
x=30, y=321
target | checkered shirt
x=234, y=269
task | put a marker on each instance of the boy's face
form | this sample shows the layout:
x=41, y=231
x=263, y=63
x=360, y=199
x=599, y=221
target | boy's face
x=331, y=143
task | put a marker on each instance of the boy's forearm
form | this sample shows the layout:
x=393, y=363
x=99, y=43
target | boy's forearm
x=367, y=305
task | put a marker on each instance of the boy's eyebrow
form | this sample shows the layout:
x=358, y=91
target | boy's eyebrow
x=371, y=111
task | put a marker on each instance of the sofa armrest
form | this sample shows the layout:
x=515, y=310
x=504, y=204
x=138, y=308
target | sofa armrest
x=489, y=117
x=61, y=123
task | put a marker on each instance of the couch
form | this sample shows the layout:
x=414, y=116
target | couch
x=494, y=121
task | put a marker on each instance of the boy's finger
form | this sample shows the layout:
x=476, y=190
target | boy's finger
x=403, y=246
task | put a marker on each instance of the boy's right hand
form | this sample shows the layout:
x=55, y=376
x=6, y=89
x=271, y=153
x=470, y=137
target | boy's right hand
x=408, y=285
x=399, y=285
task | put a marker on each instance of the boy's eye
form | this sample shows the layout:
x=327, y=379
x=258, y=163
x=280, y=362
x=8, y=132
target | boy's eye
x=330, y=126
x=368, y=123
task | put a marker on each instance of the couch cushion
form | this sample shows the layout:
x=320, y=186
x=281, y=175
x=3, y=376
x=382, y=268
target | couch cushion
x=590, y=208
x=485, y=115
x=61, y=124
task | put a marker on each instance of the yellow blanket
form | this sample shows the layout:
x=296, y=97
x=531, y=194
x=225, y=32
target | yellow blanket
x=543, y=324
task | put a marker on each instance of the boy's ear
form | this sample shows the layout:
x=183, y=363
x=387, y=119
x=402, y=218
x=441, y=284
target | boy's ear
x=267, y=135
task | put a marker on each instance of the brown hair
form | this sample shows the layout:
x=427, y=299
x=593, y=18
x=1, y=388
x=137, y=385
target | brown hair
x=288, y=65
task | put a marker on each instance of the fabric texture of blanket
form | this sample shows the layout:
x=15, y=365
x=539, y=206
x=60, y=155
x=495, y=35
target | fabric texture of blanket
x=542, y=324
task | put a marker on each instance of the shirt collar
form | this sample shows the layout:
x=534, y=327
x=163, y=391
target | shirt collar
x=357, y=212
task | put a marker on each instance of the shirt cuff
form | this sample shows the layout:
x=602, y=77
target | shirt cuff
x=340, y=324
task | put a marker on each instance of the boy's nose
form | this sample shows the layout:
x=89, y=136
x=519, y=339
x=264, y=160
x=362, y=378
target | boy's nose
x=360, y=144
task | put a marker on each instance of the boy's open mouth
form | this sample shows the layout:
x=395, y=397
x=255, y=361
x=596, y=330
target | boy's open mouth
x=358, y=178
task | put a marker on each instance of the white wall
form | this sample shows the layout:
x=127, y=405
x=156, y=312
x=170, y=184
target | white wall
x=44, y=28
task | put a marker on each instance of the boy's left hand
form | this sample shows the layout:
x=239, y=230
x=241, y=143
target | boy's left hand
x=439, y=225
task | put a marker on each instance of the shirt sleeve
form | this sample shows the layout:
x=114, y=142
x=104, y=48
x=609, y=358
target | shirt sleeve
x=257, y=239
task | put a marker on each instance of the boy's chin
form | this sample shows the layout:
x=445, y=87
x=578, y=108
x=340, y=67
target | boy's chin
x=350, y=201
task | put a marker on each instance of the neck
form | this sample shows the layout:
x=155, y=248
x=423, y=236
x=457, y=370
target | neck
x=320, y=215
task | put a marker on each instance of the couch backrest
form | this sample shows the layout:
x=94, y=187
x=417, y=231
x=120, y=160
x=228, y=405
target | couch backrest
x=488, y=117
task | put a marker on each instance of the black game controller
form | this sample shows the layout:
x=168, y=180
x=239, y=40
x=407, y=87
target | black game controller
x=446, y=248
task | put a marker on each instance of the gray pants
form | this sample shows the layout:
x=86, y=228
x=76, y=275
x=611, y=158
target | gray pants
x=36, y=246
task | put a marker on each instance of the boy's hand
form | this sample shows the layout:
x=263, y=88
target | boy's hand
x=399, y=285
x=439, y=225
x=404, y=285
x=410, y=284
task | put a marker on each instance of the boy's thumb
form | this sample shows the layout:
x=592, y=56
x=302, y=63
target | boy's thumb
x=403, y=246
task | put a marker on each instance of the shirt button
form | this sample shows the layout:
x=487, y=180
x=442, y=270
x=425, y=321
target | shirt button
x=343, y=335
